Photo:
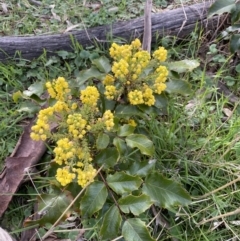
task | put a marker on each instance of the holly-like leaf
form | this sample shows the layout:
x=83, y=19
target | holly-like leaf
x=125, y=130
x=135, y=204
x=88, y=74
x=165, y=192
x=36, y=88
x=102, y=63
x=221, y=6
x=51, y=207
x=111, y=223
x=178, y=87
x=183, y=66
x=94, y=198
x=29, y=107
x=121, y=182
x=141, y=142
x=120, y=145
x=107, y=157
x=16, y=96
x=123, y=111
x=102, y=141
x=235, y=43
x=134, y=229
x=141, y=168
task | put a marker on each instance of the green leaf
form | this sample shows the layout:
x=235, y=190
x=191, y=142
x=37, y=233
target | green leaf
x=94, y=198
x=235, y=43
x=178, y=87
x=108, y=157
x=125, y=130
x=88, y=74
x=62, y=53
x=221, y=6
x=102, y=141
x=165, y=192
x=124, y=111
x=141, y=168
x=135, y=205
x=111, y=223
x=102, y=63
x=16, y=96
x=120, y=145
x=36, y=88
x=183, y=66
x=135, y=229
x=51, y=207
x=121, y=182
x=141, y=142
x=235, y=14
x=29, y=107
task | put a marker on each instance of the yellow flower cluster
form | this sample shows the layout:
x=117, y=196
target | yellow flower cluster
x=76, y=125
x=132, y=69
x=110, y=92
x=160, y=54
x=108, y=80
x=148, y=97
x=64, y=176
x=58, y=89
x=85, y=176
x=64, y=151
x=135, y=97
x=108, y=119
x=159, y=84
x=120, y=69
x=90, y=96
x=41, y=129
x=132, y=122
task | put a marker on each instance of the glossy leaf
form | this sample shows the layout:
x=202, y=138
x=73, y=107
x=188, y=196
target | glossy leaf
x=178, y=87
x=88, y=74
x=124, y=111
x=94, y=198
x=51, y=207
x=102, y=63
x=120, y=145
x=135, y=204
x=235, y=43
x=125, y=130
x=102, y=141
x=165, y=192
x=141, y=168
x=121, y=182
x=221, y=6
x=183, y=66
x=141, y=142
x=108, y=157
x=111, y=223
x=134, y=229
x=36, y=88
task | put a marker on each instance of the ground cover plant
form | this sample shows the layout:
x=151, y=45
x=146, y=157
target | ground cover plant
x=195, y=135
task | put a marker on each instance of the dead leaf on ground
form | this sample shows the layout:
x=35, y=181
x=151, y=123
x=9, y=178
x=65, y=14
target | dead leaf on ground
x=25, y=155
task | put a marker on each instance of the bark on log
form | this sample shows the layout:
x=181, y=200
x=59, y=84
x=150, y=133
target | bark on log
x=178, y=22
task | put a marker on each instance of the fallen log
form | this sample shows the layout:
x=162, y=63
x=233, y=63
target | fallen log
x=178, y=22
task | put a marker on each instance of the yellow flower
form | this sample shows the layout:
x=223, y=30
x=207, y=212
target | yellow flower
x=108, y=80
x=159, y=87
x=108, y=119
x=162, y=73
x=148, y=96
x=160, y=54
x=132, y=122
x=135, y=97
x=90, y=96
x=58, y=89
x=110, y=92
x=136, y=43
x=64, y=176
